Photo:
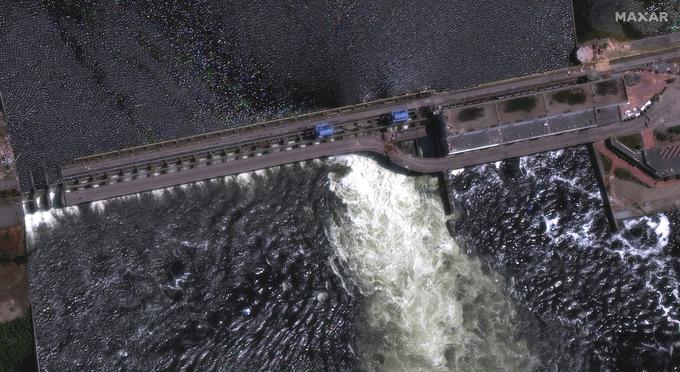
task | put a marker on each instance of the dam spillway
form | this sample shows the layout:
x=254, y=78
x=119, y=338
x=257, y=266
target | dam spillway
x=473, y=126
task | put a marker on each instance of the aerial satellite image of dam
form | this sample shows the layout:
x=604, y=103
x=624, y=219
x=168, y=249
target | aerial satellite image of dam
x=340, y=185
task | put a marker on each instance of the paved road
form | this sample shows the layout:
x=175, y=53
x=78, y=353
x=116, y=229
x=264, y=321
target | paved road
x=364, y=144
x=236, y=136
x=488, y=155
x=663, y=114
x=149, y=153
x=664, y=111
x=373, y=144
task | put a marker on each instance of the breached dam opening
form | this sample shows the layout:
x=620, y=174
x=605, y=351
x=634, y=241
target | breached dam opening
x=429, y=306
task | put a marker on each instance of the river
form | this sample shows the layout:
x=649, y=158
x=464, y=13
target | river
x=334, y=264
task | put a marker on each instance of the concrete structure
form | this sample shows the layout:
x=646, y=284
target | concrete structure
x=585, y=54
x=10, y=207
x=487, y=123
x=535, y=115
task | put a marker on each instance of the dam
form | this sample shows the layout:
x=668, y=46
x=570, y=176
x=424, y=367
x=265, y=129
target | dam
x=488, y=123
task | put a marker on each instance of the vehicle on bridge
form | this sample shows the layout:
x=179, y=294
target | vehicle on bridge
x=400, y=116
x=323, y=130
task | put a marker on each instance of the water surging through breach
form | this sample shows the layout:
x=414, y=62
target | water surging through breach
x=429, y=305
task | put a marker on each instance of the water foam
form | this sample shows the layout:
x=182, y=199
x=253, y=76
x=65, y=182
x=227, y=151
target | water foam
x=580, y=257
x=429, y=305
x=455, y=172
x=659, y=224
x=45, y=219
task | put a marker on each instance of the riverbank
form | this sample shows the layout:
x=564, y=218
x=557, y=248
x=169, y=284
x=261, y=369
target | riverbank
x=16, y=333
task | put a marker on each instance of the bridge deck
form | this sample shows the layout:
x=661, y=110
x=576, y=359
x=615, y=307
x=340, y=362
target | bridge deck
x=365, y=127
x=372, y=144
x=550, y=112
x=258, y=132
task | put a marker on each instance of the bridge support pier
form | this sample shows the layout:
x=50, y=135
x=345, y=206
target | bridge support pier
x=597, y=168
x=56, y=196
x=27, y=203
x=444, y=193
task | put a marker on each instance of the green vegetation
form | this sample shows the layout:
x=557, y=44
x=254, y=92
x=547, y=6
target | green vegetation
x=625, y=175
x=16, y=342
x=571, y=96
x=586, y=32
x=606, y=164
x=633, y=142
x=526, y=104
x=9, y=194
x=669, y=134
x=604, y=88
x=471, y=113
x=630, y=31
x=9, y=258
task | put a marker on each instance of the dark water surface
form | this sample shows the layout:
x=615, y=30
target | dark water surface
x=227, y=275
x=599, y=301
x=300, y=268
x=81, y=77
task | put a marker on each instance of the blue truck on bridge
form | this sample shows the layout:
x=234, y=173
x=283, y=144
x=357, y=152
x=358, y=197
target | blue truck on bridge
x=323, y=130
x=400, y=116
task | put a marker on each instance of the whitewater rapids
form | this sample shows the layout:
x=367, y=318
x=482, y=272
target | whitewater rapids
x=429, y=305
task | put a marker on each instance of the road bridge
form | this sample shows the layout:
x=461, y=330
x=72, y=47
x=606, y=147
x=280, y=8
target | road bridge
x=487, y=123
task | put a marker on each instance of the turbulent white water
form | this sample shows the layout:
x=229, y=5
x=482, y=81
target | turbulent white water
x=430, y=306
x=43, y=220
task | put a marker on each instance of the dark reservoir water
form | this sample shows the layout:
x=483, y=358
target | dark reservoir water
x=82, y=77
x=340, y=264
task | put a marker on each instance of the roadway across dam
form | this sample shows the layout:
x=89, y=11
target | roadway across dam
x=473, y=126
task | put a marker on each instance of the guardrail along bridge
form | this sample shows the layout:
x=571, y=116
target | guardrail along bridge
x=451, y=130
